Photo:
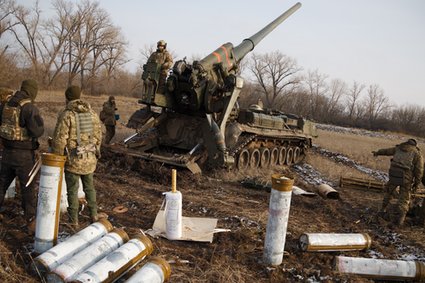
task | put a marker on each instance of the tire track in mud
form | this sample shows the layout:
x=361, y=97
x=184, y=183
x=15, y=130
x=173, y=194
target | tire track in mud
x=244, y=211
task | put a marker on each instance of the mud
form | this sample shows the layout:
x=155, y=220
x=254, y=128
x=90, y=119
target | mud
x=234, y=256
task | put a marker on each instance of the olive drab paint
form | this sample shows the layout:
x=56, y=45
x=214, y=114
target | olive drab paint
x=194, y=92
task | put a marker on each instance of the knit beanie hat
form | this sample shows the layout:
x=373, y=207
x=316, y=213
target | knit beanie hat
x=72, y=93
x=30, y=86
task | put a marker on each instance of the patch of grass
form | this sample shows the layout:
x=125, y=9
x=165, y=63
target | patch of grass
x=359, y=148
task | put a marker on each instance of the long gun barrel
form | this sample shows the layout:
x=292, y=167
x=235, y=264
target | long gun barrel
x=248, y=44
x=230, y=57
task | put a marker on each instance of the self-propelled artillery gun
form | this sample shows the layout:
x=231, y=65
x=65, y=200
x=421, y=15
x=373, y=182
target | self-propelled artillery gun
x=195, y=120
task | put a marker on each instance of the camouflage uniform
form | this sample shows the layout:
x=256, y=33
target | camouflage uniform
x=163, y=57
x=108, y=118
x=78, y=135
x=21, y=126
x=405, y=172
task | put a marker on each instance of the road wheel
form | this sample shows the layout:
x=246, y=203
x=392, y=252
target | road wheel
x=282, y=155
x=243, y=160
x=274, y=156
x=254, y=158
x=297, y=154
x=289, y=156
x=264, y=157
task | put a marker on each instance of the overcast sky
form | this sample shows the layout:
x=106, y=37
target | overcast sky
x=369, y=41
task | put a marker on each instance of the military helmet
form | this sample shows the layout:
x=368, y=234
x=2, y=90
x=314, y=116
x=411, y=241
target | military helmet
x=161, y=43
x=412, y=141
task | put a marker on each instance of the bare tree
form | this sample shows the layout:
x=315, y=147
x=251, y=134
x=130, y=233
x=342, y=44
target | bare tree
x=8, y=69
x=406, y=117
x=316, y=88
x=353, y=97
x=376, y=103
x=53, y=43
x=337, y=91
x=28, y=20
x=7, y=10
x=276, y=74
x=146, y=51
x=94, y=45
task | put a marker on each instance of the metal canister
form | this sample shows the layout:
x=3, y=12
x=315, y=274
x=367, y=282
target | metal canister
x=328, y=242
x=383, y=269
x=280, y=202
x=327, y=191
x=55, y=256
x=156, y=270
x=88, y=256
x=111, y=267
x=49, y=195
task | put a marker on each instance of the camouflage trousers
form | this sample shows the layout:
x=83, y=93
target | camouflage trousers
x=161, y=82
x=72, y=185
x=403, y=200
x=110, y=133
x=18, y=163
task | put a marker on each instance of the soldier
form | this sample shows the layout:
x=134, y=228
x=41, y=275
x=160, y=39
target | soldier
x=405, y=172
x=161, y=56
x=78, y=135
x=107, y=116
x=21, y=126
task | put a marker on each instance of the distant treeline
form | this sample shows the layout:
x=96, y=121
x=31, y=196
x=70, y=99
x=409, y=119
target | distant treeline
x=79, y=44
x=283, y=85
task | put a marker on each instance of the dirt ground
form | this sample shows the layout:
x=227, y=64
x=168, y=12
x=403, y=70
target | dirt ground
x=234, y=256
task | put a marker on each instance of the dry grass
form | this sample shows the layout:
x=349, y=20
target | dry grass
x=333, y=171
x=10, y=270
x=359, y=148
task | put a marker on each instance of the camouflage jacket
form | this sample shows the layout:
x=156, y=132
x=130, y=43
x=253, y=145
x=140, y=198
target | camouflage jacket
x=109, y=114
x=164, y=58
x=406, y=157
x=81, y=150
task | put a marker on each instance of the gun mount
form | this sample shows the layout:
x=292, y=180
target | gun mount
x=200, y=120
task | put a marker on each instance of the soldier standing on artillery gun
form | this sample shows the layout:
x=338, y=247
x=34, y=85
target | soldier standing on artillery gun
x=405, y=172
x=163, y=57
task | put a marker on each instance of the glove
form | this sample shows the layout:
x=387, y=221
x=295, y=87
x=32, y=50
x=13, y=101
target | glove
x=375, y=153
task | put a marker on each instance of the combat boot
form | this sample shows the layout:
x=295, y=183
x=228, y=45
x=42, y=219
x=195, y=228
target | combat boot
x=399, y=222
x=73, y=222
